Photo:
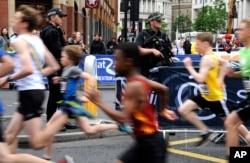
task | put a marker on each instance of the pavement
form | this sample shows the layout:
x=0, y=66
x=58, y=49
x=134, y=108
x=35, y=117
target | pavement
x=69, y=134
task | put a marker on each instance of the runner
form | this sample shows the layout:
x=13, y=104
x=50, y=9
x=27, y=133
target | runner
x=241, y=110
x=211, y=79
x=6, y=157
x=32, y=56
x=71, y=106
x=150, y=146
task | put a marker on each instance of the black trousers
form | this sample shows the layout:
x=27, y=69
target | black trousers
x=1, y=129
x=54, y=96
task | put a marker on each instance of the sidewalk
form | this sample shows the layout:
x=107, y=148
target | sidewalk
x=69, y=134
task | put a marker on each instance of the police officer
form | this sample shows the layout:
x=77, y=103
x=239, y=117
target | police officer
x=52, y=36
x=155, y=46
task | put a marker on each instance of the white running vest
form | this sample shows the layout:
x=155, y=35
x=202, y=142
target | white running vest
x=35, y=80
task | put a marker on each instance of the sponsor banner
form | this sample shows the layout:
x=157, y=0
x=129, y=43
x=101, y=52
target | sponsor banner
x=182, y=86
x=105, y=69
x=233, y=56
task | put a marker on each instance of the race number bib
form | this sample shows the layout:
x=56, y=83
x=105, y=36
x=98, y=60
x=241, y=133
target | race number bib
x=204, y=89
x=246, y=84
x=63, y=86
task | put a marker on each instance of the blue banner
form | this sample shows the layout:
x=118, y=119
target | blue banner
x=105, y=69
x=182, y=86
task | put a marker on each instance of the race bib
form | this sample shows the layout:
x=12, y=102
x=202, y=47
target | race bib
x=63, y=86
x=204, y=89
x=246, y=84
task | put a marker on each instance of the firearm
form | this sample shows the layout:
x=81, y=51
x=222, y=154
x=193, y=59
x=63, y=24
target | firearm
x=163, y=46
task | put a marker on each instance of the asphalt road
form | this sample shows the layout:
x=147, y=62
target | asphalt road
x=105, y=150
x=106, y=147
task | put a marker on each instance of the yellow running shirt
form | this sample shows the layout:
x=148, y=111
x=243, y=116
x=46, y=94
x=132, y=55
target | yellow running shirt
x=211, y=89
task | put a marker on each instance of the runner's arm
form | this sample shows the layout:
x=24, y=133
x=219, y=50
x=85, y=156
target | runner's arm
x=130, y=102
x=162, y=92
x=205, y=65
x=222, y=71
x=7, y=64
x=51, y=64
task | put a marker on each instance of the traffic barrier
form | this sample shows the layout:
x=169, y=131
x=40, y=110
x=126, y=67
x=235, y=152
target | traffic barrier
x=90, y=67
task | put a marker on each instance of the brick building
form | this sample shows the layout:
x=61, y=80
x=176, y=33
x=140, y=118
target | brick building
x=89, y=21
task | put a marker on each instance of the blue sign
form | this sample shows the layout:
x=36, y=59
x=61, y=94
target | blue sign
x=105, y=69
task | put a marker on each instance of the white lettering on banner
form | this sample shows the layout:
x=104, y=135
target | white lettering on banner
x=107, y=64
x=109, y=78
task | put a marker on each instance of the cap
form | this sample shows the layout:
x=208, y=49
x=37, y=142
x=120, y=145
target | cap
x=55, y=11
x=155, y=16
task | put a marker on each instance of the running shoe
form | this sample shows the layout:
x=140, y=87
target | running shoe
x=204, y=138
x=66, y=159
x=124, y=128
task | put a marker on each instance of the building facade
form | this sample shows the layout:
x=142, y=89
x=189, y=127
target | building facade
x=146, y=7
x=180, y=7
x=89, y=21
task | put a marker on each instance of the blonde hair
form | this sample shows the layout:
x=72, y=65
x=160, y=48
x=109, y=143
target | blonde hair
x=205, y=37
x=247, y=22
x=74, y=52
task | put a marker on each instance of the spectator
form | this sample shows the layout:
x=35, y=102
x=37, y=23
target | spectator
x=193, y=48
x=226, y=45
x=187, y=45
x=77, y=40
x=218, y=44
x=97, y=46
x=71, y=38
x=179, y=48
x=111, y=45
x=3, y=45
x=5, y=35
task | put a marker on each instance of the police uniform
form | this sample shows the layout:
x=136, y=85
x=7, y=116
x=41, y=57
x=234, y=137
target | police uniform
x=52, y=37
x=147, y=38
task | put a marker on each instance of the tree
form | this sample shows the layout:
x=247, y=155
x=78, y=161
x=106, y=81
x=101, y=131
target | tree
x=212, y=18
x=183, y=23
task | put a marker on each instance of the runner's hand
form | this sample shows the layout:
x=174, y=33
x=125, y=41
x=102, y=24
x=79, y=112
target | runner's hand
x=187, y=61
x=168, y=114
x=230, y=71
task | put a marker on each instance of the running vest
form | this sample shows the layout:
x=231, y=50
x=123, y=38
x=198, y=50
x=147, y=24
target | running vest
x=245, y=67
x=211, y=90
x=35, y=80
x=245, y=62
x=144, y=120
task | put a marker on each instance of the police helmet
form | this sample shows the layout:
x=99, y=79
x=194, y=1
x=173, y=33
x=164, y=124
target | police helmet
x=155, y=16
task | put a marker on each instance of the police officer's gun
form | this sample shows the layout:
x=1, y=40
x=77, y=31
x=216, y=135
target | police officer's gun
x=164, y=47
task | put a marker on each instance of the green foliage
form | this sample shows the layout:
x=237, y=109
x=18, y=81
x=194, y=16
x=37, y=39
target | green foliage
x=164, y=26
x=183, y=23
x=211, y=19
